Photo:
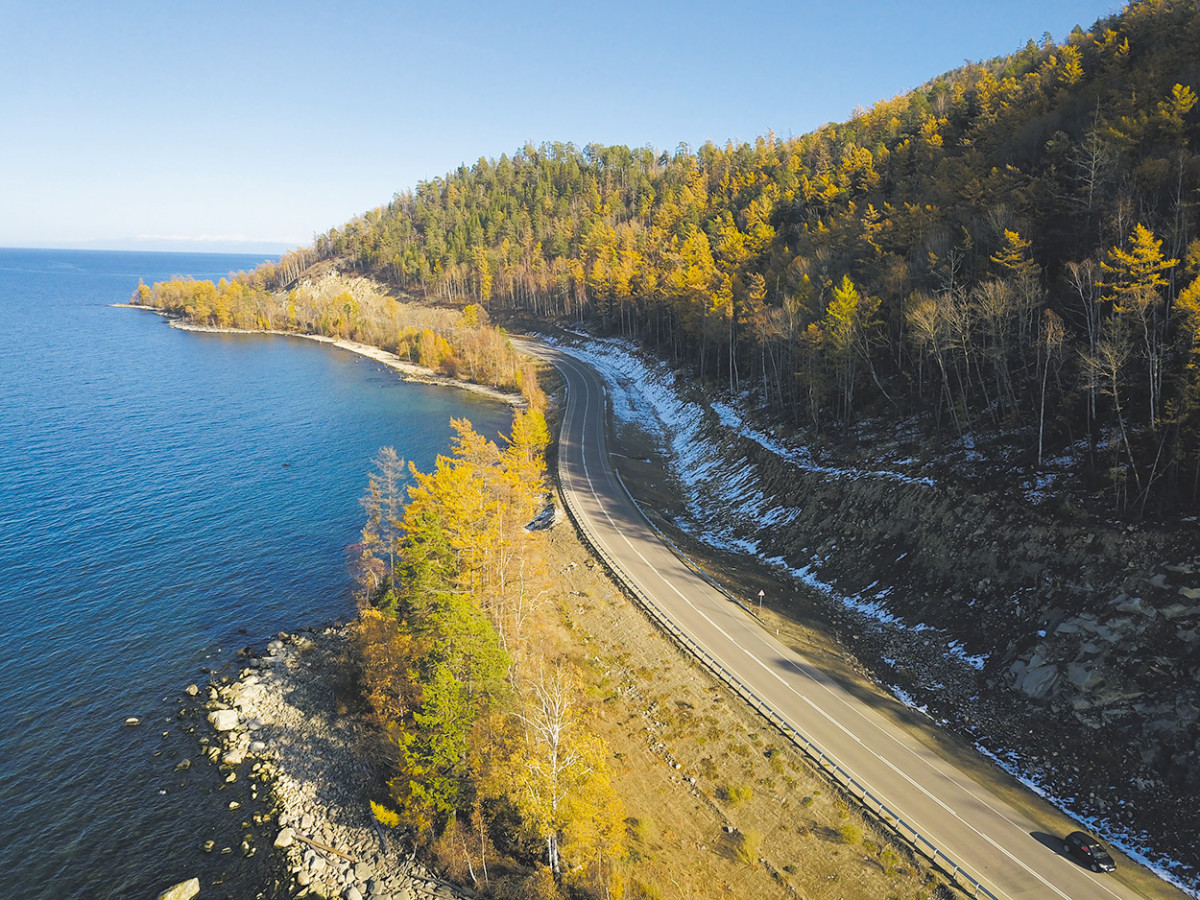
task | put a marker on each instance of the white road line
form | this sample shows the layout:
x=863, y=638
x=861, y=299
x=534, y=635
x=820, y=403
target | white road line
x=784, y=653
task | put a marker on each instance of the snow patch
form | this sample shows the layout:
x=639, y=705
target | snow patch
x=1134, y=845
x=644, y=396
x=976, y=662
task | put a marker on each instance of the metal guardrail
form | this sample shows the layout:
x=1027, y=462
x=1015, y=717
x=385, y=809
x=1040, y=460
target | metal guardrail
x=959, y=876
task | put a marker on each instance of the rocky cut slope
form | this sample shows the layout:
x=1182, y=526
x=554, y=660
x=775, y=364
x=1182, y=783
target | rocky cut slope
x=1066, y=646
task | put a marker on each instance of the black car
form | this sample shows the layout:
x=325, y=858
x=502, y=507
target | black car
x=1087, y=850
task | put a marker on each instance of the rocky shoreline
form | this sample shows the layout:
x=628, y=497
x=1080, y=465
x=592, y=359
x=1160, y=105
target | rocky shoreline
x=281, y=724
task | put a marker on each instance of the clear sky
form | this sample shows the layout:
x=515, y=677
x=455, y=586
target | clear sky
x=257, y=124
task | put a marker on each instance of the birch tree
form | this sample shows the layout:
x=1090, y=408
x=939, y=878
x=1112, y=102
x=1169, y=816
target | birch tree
x=565, y=792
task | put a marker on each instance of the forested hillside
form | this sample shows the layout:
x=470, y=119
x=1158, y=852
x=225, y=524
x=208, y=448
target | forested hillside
x=1007, y=256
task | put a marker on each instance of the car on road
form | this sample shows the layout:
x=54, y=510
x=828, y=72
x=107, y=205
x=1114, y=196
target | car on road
x=1086, y=849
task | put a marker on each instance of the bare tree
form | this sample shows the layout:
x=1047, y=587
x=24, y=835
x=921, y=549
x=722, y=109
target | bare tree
x=384, y=503
x=1049, y=348
x=1104, y=370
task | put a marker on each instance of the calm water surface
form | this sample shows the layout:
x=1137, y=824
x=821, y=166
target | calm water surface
x=166, y=498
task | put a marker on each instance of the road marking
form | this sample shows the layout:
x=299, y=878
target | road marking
x=804, y=670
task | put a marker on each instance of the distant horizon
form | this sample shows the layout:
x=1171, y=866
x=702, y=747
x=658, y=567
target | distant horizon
x=273, y=249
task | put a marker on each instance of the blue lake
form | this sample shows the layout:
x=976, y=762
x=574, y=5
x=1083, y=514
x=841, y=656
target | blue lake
x=166, y=498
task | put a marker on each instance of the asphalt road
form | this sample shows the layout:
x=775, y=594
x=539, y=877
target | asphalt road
x=1010, y=855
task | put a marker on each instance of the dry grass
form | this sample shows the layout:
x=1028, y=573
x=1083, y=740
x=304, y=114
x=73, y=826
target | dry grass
x=661, y=710
x=719, y=803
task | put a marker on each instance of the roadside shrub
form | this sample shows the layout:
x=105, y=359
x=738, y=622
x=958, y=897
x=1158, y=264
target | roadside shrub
x=748, y=846
x=889, y=860
x=641, y=890
x=644, y=830
x=851, y=833
x=737, y=793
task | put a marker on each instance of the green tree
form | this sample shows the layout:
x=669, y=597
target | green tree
x=850, y=327
x=484, y=270
x=1134, y=281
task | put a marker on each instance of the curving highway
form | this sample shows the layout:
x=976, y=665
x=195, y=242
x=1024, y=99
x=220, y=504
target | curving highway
x=987, y=845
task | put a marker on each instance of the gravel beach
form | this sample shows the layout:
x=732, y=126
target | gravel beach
x=279, y=725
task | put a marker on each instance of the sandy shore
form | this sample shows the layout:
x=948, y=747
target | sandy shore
x=410, y=371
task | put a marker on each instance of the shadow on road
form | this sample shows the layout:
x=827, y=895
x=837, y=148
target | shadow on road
x=862, y=691
x=1050, y=841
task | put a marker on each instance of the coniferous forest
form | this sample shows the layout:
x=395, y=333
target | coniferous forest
x=1007, y=255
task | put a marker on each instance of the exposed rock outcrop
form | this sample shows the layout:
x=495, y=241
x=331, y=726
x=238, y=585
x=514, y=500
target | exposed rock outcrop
x=1015, y=616
x=185, y=890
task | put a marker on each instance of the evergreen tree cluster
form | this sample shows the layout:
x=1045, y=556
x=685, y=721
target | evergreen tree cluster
x=492, y=763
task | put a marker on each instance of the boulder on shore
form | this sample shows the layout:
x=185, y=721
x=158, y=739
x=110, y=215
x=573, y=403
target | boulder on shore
x=185, y=890
x=223, y=719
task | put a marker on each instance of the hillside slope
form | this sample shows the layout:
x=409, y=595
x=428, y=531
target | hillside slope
x=1007, y=256
x=1065, y=646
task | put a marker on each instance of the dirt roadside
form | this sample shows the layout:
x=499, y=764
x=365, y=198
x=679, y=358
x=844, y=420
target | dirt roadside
x=720, y=803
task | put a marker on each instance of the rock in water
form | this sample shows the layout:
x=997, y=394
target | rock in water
x=185, y=890
x=285, y=838
x=223, y=719
x=133, y=720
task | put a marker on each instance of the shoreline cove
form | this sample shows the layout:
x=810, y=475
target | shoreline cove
x=410, y=371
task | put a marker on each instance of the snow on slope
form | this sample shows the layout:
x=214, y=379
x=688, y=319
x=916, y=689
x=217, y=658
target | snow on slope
x=727, y=508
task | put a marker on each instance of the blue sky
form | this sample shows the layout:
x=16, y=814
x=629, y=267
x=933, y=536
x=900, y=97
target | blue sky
x=255, y=125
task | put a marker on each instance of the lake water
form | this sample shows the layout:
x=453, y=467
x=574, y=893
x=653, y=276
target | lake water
x=166, y=498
